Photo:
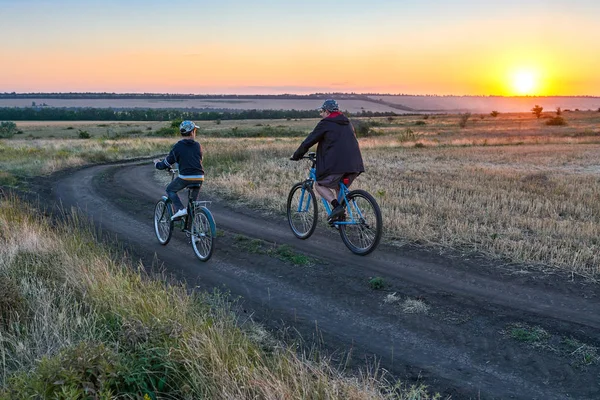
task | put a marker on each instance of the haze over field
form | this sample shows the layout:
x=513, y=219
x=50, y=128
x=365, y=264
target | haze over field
x=375, y=103
x=267, y=47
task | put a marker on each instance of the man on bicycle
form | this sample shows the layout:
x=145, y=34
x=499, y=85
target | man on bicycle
x=338, y=154
x=188, y=154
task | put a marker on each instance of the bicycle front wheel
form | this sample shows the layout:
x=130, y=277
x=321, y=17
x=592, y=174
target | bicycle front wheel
x=302, y=210
x=361, y=231
x=202, y=235
x=163, y=226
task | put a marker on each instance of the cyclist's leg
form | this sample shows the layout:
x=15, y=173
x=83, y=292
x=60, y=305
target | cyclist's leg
x=175, y=186
x=324, y=192
x=195, y=191
x=325, y=188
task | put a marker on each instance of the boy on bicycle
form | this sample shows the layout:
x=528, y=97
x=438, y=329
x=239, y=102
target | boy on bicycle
x=188, y=154
x=338, y=154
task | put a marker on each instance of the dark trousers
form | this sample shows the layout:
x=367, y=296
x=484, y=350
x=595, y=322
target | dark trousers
x=178, y=184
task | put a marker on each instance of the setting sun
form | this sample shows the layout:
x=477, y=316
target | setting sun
x=525, y=82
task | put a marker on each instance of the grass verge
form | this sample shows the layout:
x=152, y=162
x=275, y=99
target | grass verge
x=79, y=321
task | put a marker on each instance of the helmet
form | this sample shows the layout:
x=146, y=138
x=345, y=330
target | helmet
x=187, y=127
x=330, y=105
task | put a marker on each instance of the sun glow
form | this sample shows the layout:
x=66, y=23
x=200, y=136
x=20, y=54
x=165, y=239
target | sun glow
x=525, y=83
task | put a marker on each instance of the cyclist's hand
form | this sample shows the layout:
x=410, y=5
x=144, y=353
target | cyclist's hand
x=294, y=158
x=156, y=161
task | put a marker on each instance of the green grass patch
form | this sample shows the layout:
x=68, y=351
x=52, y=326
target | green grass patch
x=255, y=246
x=288, y=254
x=283, y=252
x=376, y=283
x=8, y=179
x=531, y=335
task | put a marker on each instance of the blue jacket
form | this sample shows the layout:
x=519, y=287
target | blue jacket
x=188, y=154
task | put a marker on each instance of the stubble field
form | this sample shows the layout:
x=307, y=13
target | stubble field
x=509, y=187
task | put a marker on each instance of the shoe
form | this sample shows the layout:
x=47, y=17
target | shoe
x=179, y=214
x=336, y=213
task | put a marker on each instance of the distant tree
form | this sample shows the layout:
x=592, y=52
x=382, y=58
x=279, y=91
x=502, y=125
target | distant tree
x=537, y=110
x=558, y=111
x=84, y=134
x=494, y=113
x=362, y=128
x=175, y=123
x=463, y=119
x=8, y=129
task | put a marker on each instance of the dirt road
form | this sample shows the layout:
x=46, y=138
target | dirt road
x=491, y=331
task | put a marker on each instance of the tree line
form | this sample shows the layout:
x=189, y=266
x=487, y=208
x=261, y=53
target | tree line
x=151, y=114
x=174, y=96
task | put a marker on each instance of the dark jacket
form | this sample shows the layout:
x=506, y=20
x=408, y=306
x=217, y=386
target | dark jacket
x=338, y=151
x=188, y=154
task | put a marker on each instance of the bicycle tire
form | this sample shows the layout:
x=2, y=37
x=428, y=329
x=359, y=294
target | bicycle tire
x=362, y=237
x=163, y=226
x=302, y=223
x=202, y=234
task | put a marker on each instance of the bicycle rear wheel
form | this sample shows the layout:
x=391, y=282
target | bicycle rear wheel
x=362, y=231
x=302, y=212
x=202, y=234
x=163, y=226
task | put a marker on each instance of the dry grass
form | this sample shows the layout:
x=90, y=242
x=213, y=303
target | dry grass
x=526, y=204
x=522, y=203
x=28, y=158
x=415, y=306
x=96, y=129
x=510, y=186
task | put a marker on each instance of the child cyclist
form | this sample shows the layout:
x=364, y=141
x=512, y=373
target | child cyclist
x=188, y=154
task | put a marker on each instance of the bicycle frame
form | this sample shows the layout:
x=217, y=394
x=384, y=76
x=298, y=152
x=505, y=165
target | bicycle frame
x=361, y=225
x=342, y=199
x=192, y=207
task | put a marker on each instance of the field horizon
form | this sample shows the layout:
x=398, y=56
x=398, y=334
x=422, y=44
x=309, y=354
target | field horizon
x=351, y=102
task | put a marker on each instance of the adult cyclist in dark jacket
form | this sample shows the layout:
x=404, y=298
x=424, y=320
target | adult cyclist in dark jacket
x=187, y=153
x=338, y=154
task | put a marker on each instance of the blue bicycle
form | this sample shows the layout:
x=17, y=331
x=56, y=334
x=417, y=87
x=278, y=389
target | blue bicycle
x=361, y=226
x=198, y=224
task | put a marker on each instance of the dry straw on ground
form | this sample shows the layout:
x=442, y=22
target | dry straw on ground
x=506, y=186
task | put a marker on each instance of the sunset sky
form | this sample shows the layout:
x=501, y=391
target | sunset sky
x=257, y=47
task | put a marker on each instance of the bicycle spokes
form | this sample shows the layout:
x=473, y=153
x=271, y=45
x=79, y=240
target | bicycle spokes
x=163, y=226
x=302, y=210
x=361, y=231
x=202, y=234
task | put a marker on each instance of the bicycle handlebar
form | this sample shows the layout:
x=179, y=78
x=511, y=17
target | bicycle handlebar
x=310, y=156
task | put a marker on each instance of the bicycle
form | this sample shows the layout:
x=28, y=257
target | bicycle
x=360, y=229
x=199, y=224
